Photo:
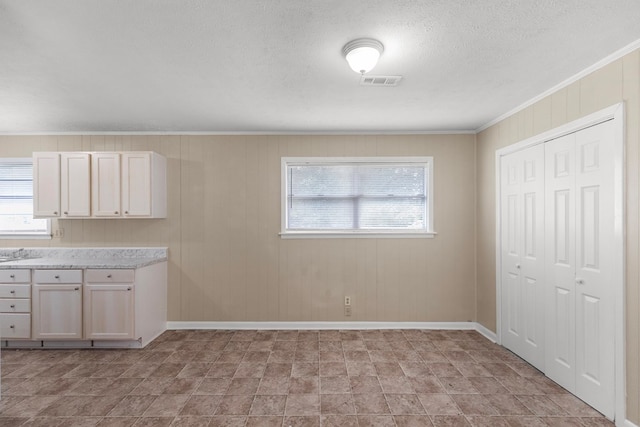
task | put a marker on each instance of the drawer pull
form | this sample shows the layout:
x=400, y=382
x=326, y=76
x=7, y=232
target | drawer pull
x=116, y=212
x=13, y=276
x=129, y=289
x=66, y=213
x=12, y=291
x=76, y=289
x=126, y=212
x=12, y=306
x=108, y=276
x=57, y=277
x=12, y=326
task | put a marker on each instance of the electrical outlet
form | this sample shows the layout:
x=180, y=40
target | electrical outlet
x=347, y=310
x=347, y=301
x=58, y=232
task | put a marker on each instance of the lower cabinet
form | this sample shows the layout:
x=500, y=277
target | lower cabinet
x=109, y=306
x=57, y=304
x=57, y=311
x=100, y=307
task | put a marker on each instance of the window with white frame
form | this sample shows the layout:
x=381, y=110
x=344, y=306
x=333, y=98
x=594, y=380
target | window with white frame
x=357, y=196
x=16, y=201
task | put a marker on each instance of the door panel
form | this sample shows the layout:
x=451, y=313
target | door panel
x=563, y=337
x=523, y=247
x=560, y=264
x=594, y=272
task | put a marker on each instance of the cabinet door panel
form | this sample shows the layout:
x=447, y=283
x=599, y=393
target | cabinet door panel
x=105, y=184
x=46, y=184
x=75, y=188
x=57, y=312
x=136, y=184
x=108, y=311
x=15, y=326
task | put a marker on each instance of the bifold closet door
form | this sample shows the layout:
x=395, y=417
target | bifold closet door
x=522, y=231
x=579, y=183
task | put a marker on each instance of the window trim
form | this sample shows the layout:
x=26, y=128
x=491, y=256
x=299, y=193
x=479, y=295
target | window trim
x=305, y=234
x=43, y=235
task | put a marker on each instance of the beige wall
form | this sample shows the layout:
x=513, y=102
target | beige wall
x=227, y=261
x=618, y=81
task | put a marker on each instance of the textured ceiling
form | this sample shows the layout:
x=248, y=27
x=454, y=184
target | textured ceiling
x=276, y=65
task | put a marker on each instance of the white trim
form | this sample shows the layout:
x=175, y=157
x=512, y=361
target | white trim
x=467, y=326
x=626, y=423
x=356, y=235
x=614, y=112
x=271, y=132
x=600, y=64
x=486, y=332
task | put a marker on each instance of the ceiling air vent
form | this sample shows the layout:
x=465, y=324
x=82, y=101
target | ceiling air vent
x=367, y=80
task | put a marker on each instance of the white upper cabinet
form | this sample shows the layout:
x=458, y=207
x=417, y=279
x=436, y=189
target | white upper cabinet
x=144, y=185
x=105, y=184
x=46, y=185
x=100, y=185
x=75, y=187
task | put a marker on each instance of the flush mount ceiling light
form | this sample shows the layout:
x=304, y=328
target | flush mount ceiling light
x=362, y=54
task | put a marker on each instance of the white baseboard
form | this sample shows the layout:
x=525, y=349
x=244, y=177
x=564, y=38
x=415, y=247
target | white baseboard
x=334, y=325
x=487, y=333
x=628, y=423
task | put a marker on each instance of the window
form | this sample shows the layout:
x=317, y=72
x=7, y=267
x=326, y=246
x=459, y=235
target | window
x=16, y=201
x=368, y=197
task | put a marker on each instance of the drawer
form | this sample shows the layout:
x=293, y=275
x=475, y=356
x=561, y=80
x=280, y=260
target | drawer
x=18, y=305
x=57, y=276
x=15, y=326
x=15, y=276
x=110, y=276
x=15, y=291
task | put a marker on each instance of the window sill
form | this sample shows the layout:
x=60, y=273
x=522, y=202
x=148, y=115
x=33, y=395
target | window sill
x=356, y=235
x=26, y=237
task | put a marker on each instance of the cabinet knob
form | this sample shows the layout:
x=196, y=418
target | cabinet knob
x=116, y=212
x=12, y=326
x=126, y=212
x=66, y=213
x=55, y=212
x=128, y=289
x=518, y=266
x=12, y=306
x=12, y=292
x=57, y=277
x=76, y=289
x=108, y=276
x=580, y=281
x=13, y=276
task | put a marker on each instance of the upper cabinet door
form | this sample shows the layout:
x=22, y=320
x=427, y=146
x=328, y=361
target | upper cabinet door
x=46, y=185
x=105, y=184
x=144, y=185
x=75, y=188
x=136, y=184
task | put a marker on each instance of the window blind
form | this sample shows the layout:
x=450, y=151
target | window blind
x=359, y=196
x=16, y=199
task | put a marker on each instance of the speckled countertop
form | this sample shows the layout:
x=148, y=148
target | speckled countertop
x=81, y=258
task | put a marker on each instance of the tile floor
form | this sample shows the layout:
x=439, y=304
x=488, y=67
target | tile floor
x=287, y=378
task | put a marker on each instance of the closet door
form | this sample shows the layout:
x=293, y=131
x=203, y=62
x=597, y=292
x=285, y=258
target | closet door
x=579, y=267
x=522, y=210
x=594, y=268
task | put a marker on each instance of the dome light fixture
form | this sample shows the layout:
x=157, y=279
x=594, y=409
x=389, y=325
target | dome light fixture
x=362, y=54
